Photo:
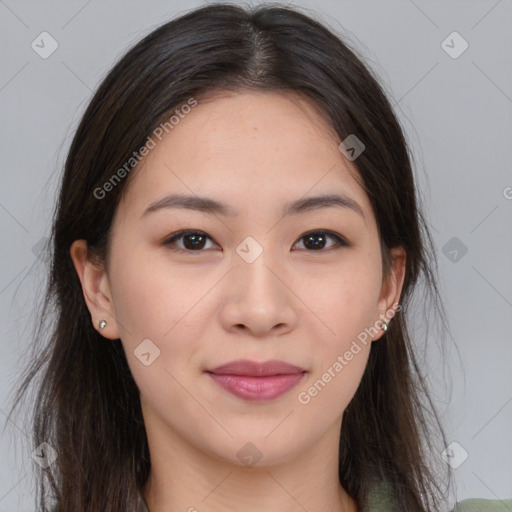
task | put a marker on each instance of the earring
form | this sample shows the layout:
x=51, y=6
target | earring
x=384, y=326
x=102, y=324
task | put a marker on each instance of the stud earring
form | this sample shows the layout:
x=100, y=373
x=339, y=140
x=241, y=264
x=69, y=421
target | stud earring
x=384, y=326
x=102, y=324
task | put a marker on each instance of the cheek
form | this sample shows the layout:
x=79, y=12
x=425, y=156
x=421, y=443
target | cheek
x=340, y=355
x=153, y=296
x=164, y=304
x=328, y=392
x=345, y=301
x=155, y=310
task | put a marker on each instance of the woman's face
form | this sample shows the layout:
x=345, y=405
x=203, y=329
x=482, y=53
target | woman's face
x=260, y=281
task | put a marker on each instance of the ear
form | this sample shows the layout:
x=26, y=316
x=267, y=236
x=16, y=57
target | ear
x=96, y=289
x=391, y=290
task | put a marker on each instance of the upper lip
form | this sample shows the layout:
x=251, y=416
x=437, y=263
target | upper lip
x=255, y=369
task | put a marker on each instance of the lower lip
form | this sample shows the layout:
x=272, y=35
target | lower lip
x=257, y=388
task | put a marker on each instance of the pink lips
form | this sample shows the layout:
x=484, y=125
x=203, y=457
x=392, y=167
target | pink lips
x=257, y=381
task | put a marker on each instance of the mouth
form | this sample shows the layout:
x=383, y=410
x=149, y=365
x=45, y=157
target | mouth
x=255, y=381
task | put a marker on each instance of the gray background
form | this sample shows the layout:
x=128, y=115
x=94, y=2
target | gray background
x=457, y=113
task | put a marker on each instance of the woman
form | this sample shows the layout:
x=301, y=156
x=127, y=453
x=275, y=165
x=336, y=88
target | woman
x=235, y=244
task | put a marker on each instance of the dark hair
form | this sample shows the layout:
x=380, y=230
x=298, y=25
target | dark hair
x=87, y=405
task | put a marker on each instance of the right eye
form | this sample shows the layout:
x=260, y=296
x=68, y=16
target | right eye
x=193, y=240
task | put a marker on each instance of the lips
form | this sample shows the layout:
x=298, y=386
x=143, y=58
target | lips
x=255, y=381
x=255, y=369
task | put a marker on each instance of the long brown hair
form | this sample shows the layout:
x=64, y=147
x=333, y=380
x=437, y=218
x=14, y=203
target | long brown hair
x=87, y=405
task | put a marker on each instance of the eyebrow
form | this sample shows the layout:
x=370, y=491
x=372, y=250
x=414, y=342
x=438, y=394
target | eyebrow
x=213, y=207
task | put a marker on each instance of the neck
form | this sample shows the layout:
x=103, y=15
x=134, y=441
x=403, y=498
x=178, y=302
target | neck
x=184, y=478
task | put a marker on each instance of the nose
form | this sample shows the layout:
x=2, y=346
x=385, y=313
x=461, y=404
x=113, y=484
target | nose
x=259, y=299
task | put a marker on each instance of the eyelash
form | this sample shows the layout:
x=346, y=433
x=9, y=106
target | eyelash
x=340, y=241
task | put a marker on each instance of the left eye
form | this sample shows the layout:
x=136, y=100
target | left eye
x=317, y=240
x=314, y=241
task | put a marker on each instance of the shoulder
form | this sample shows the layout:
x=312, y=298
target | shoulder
x=381, y=498
x=479, y=505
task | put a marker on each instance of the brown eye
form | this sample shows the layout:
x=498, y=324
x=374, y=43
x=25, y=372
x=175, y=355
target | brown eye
x=192, y=240
x=316, y=241
x=195, y=241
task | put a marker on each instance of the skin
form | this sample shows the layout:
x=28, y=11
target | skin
x=204, y=309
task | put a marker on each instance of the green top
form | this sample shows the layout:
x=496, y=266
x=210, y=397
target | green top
x=477, y=505
x=381, y=501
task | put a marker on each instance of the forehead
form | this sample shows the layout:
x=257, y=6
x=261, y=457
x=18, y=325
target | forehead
x=247, y=149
